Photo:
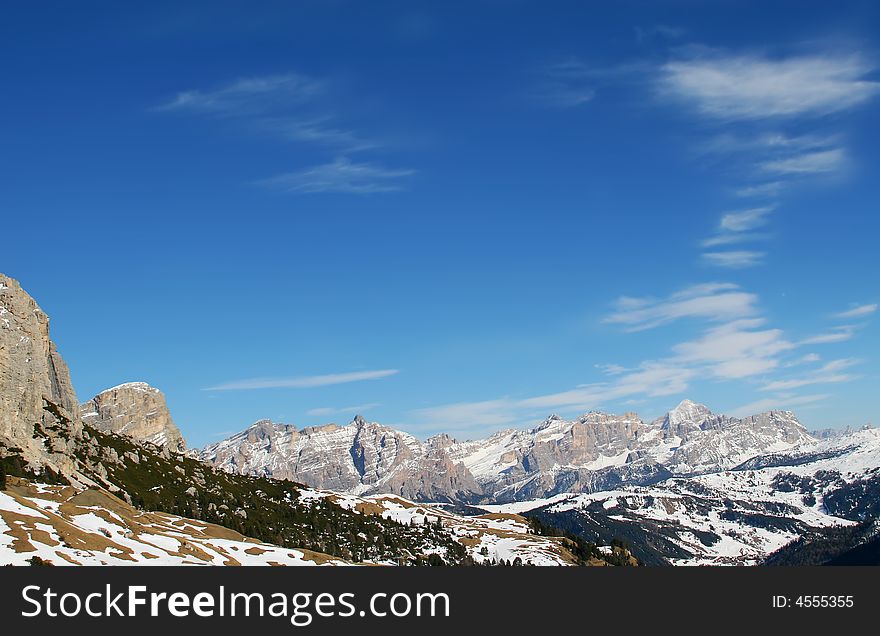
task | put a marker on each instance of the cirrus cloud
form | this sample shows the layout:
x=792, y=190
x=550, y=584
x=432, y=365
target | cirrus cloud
x=712, y=301
x=341, y=175
x=859, y=311
x=302, y=382
x=735, y=259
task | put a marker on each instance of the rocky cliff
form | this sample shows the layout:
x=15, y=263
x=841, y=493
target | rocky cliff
x=137, y=410
x=39, y=412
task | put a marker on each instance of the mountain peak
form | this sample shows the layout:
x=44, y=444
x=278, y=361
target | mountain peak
x=134, y=386
x=687, y=411
x=552, y=420
x=688, y=403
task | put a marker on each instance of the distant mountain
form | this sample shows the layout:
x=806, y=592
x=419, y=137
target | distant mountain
x=596, y=451
x=829, y=433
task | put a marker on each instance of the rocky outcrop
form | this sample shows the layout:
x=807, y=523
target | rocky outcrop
x=39, y=412
x=137, y=410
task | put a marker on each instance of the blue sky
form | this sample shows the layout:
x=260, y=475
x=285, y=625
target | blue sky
x=457, y=217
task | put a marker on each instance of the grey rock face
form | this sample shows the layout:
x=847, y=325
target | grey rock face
x=39, y=412
x=137, y=410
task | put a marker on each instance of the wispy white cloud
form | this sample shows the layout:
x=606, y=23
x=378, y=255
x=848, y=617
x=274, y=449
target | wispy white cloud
x=744, y=220
x=839, y=365
x=826, y=374
x=805, y=359
x=302, y=382
x=326, y=411
x=731, y=87
x=292, y=107
x=318, y=130
x=818, y=162
x=766, y=189
x=780, y=385
x=611, y=369
x=734, y=229
x=468, y=416
x=773, y=159
x=733, y=238
x=341, y=175
x=736, y=259
x=712, y=301
x=859, y=311
x=248, y=96
x=737, y=349
x=838, y=334
x=769, y=143
x=781, y=402
x=651, y=378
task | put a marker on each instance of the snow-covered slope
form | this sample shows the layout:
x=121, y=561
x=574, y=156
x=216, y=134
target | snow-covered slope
x=66, y=526
x=489, y=538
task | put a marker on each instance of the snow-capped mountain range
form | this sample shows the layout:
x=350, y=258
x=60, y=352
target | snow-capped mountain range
x=594, y=452
x=738, y=516
x=107, y=482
